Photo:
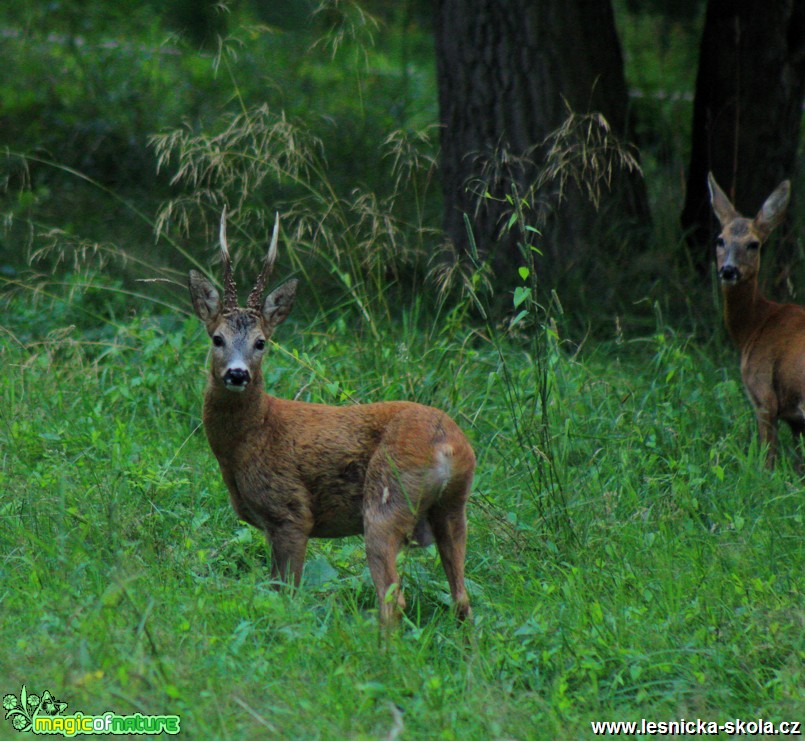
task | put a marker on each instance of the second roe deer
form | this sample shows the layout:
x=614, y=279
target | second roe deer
x=769, y=335
x=394, y=471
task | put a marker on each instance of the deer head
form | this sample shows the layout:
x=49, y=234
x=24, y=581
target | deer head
x=239, y=335
x=738, y=245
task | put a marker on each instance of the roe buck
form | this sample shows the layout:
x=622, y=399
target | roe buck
x=770, y=336
x=395, y=471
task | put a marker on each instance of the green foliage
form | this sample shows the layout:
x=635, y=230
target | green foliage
x=116, y=75
x=629, y=556
x=661, y=51
x=261, y=159
x=130, y=585
x=358, y=88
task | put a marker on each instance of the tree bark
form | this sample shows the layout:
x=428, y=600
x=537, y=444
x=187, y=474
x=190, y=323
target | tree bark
x=508, y=73
x=747, y=110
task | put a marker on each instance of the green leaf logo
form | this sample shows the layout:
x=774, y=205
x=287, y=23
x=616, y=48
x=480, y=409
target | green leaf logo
x=22, y=710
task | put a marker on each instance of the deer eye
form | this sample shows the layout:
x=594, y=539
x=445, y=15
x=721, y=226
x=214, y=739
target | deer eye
x=720, y=242
x=753, y=246
x=217, y=340
x=260, y=345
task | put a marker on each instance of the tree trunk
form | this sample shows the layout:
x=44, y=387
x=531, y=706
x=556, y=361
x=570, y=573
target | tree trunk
x=747, y=110
x=508, y=73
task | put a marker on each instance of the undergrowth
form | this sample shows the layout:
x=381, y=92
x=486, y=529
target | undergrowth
x=129, y=583
x=629, y=556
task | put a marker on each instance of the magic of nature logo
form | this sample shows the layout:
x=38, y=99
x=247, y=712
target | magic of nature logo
x=43, y=714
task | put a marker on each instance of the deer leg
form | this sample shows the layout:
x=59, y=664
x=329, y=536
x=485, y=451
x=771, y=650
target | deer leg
x=798, y=430
x=449, y=527
x=389, y=519
x=767, y=433
x=383, y=542
x=288, y=546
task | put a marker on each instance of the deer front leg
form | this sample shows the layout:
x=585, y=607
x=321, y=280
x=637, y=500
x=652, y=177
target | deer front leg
x=798, y=431
x=767, y=434
x=760, y=390
x=288, y=546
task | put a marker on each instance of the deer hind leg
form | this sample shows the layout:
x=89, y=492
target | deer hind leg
x=389, y=519
x=449, y=524
x=382, y=546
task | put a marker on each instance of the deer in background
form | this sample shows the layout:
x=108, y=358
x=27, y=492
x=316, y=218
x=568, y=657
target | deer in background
x=770, y=336
x=395, y=471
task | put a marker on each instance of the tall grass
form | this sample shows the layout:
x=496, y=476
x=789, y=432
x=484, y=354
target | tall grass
x=629, y=556
x=129, y=584
x=269, y=162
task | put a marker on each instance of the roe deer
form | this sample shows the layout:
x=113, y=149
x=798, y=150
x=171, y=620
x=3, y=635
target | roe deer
x=770, y=336
x=395, y=471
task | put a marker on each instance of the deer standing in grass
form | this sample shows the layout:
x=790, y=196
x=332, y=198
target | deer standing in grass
x=394, y=471
x=770, y=336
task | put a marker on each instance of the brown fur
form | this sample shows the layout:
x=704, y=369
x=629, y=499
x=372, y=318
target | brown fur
x=394, y=471
x=769, y=335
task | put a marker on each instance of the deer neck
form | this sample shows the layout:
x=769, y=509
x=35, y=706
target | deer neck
x=745, y=309
x=230, y=417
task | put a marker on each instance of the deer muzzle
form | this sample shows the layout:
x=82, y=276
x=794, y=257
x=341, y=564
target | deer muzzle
x=729, y=274
x=236, y=379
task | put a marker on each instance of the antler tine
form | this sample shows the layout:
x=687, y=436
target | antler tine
x=256, y=295
x=230, y=289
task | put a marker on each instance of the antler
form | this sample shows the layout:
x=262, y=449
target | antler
x=256, y=295
x=230, y=289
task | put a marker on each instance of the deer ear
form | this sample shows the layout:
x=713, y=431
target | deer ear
x=206, y=301
x=724, y=210
x=278, y=303
x=773, y=209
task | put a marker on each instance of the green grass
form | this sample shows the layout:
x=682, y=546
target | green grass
x=657, y=573
x=629, y=556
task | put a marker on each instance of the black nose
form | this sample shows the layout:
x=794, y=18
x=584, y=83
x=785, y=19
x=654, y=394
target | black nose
x=729, y=273
x=236, y=377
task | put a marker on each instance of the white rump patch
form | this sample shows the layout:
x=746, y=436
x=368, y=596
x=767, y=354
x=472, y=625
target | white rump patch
x=443, y=462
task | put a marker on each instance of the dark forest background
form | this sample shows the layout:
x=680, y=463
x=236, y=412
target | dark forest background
x=475, y=136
